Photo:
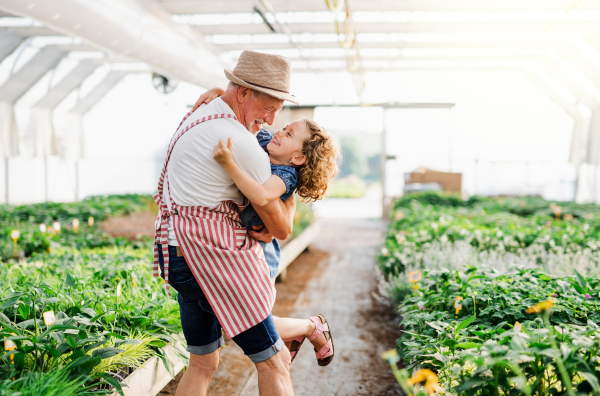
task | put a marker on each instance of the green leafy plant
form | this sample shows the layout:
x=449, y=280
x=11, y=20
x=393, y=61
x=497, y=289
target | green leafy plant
x=526, y=279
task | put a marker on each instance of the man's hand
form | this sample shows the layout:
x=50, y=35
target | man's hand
x=278, y=217
x=208, y=97
x=222, y=153
x=260, y=233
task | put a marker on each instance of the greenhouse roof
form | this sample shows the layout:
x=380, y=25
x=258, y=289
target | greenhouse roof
x=555, y=43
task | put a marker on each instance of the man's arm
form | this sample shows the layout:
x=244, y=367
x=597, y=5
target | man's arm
x=278, y=217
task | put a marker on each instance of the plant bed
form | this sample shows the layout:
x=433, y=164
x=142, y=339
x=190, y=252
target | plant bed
x=507, y=296
x=113, y=321
x=297, y=245
x=152, y=377
x=111, y=315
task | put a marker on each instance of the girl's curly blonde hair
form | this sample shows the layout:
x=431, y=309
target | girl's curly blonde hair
x=321, y=166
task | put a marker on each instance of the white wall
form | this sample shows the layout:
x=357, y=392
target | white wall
x=125, y=140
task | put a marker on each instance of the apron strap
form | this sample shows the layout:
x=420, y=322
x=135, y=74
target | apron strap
x=162, y=232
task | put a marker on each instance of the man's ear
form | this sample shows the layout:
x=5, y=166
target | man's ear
x=298, y=160
x=242, y=93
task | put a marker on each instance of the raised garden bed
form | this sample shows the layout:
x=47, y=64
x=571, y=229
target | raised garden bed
x=150, y=379
x=497, y=295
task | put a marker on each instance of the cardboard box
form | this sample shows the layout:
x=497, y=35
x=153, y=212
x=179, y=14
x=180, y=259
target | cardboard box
x=451, y=182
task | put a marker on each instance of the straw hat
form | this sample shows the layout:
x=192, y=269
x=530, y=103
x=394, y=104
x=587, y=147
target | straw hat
x=263, y=72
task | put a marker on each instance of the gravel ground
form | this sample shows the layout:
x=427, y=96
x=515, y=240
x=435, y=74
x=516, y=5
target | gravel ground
x=335, y=277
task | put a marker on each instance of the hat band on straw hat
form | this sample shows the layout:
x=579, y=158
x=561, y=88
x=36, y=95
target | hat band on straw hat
x=262, y=86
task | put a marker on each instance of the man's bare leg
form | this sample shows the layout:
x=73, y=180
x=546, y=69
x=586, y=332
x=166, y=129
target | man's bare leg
x=198, y=374
x=274, y=375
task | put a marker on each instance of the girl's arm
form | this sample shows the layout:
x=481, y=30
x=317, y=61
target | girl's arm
x=208, y=97
x=258, y=194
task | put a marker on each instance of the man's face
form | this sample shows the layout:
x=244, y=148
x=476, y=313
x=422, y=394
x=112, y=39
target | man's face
x=258, y=111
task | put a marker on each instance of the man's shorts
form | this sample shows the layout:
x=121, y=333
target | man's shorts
x=201, y=328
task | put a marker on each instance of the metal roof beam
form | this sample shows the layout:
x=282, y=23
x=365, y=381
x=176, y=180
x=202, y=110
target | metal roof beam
x=237, y=6
x=29, y=31
x=71, y=82
x=587, y=67
x=137, y=29
x=387, y=45
x=403, y=27
x=20, y=82
x=98, y=92
x=8, y=43
x=381, y=45
x=585, y=145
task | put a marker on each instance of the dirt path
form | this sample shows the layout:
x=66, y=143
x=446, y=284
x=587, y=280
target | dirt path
x=336, y=278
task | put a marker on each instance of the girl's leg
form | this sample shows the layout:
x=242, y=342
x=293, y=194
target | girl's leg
x=293, y=332
x=290, y=327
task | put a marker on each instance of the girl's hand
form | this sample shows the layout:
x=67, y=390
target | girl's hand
x=208, y=97
x=222, y=153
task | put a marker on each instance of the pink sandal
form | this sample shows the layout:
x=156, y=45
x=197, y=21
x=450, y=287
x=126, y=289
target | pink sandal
x=294, y=344
x=325, y=354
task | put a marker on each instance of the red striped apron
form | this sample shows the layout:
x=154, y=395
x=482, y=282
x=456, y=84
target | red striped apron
x=228, y=265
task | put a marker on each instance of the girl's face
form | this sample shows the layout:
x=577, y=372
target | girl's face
x=286, y=146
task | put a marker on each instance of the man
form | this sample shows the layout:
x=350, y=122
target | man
x=202, y=249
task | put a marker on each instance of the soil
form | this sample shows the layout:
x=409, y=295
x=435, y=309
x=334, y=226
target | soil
x=130, y=226
x=335, y=277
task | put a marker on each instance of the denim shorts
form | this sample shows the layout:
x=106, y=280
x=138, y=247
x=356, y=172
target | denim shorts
x=272, y=253
x=201, y=328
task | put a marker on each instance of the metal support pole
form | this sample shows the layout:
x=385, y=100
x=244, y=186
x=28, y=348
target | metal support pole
x=576, y=184
x=6, y=177
x=476, y=176
x=383, y=163
x=76, y=180
x=450, y=141
x=46, y=178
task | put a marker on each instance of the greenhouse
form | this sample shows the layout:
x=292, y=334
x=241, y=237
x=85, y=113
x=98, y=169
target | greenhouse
x=318, y=197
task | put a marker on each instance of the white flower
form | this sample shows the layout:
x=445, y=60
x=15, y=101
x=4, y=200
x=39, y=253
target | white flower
x=434, y=226
x=385, y=252
x=444, y=238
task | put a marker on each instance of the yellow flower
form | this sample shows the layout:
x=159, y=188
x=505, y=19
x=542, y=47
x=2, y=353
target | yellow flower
x=389, y=355
x=540, y=307
x=431, y=380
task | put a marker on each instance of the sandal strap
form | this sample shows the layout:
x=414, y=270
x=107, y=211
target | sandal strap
x=325, y=351
x=296, y=343
x=320, y=327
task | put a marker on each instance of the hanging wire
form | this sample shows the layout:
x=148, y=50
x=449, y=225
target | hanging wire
x=284, y=29
x=335, y=6
x=347, y=40
x=346, y=28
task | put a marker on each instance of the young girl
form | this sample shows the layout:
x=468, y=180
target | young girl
x=304, y=159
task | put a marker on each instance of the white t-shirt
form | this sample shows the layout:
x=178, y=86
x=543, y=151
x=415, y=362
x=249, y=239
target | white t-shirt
x=195, y=178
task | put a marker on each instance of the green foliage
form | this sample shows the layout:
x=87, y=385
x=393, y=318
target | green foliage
x=99, y=207
x=55, y=383
x=303, y=217
x=478, y=351
x=348, y=187
x=97, y=333
x=465, y=349
x=422, y=220
x=27, y=219
x=355, y=161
